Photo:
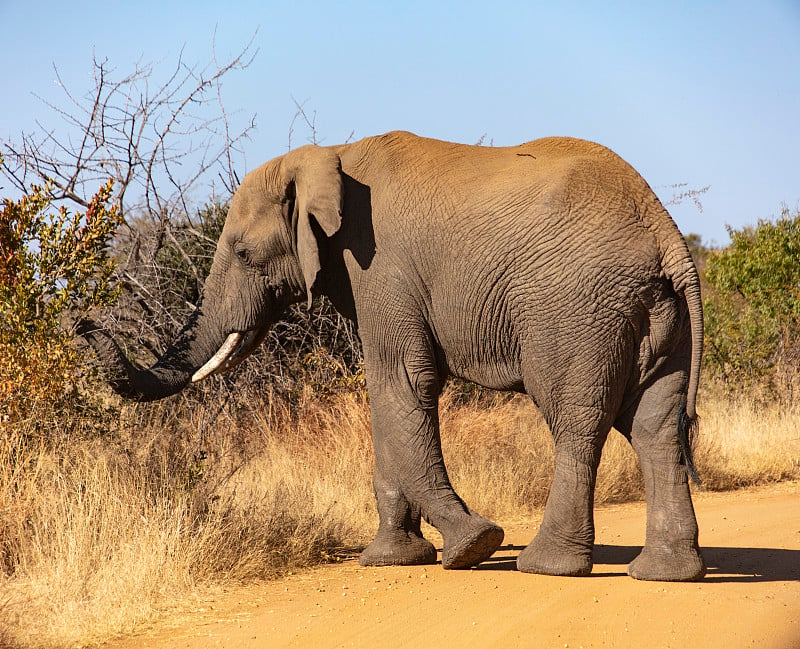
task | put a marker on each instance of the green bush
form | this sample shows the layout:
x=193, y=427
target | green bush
x=54, y=266
x=753, y=306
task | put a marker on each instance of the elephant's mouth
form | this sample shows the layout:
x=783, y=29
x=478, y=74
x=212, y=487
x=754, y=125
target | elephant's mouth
x=234, y=350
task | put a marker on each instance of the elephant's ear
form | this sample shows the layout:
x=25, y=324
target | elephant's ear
x=317, y=176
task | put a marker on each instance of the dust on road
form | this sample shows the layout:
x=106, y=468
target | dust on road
x=750, y=597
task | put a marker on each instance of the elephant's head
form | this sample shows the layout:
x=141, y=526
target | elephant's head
x=268, y=257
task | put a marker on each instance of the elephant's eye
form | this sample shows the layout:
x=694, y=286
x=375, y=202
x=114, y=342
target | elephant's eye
x=243, y=254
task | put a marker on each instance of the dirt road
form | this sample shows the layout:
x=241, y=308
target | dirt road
x=750, y=597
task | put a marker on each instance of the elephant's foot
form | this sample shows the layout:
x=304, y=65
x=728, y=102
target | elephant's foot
x=474, y=541
x=668, y=563
x=398, y=548
x=545, y=556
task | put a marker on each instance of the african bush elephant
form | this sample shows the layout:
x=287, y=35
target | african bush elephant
x=549, y=268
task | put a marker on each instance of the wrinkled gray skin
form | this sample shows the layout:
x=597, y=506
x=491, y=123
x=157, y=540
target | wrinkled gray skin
x=549, y=268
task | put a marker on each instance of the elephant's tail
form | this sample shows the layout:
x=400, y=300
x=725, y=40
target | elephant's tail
x=688, y=421
x=679, y=267
x=686, y=430
x=686, y=281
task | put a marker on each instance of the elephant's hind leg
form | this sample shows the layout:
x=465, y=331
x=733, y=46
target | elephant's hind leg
x=563, y=545
x=671, y=551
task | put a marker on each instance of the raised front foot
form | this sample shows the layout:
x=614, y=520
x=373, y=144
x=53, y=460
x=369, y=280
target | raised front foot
x=545, y=555
x=398, y=549
x=473, y=542
x=668, y=563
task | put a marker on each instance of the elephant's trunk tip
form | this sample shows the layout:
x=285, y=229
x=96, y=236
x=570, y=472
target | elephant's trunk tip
x=125, y=379
x=117, y=368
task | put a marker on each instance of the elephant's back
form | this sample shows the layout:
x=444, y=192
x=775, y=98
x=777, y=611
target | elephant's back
x=403, y=152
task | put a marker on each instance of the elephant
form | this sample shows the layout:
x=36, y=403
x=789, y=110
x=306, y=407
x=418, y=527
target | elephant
x=549, y=268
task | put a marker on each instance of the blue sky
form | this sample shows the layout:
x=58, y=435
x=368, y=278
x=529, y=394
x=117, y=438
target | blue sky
x=706, y=93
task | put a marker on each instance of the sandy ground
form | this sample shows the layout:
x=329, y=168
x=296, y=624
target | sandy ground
x=750, y=597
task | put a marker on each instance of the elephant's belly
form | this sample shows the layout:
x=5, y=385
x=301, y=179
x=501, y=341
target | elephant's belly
x=487, y=367
x=492, y=377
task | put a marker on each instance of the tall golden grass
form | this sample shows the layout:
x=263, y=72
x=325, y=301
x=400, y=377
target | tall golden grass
x=98, y=535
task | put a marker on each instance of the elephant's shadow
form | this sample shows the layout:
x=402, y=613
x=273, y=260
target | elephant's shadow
x=725, y=564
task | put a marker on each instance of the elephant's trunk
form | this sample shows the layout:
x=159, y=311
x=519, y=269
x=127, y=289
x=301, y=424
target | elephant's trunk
x=194, y=346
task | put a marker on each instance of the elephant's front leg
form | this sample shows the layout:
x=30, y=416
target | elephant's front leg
x=411, y=476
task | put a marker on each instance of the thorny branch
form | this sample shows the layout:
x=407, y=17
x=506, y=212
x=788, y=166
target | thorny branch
x=682, y=192
x=310, y=122
x=160, y=143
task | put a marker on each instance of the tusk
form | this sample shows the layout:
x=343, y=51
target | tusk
x=240, y=353
x=231, y=343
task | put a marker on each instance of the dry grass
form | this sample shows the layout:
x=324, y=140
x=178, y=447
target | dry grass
x=743, y=443
x=500, y=459
x=99, y=535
